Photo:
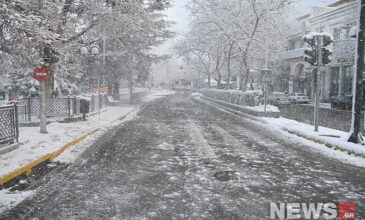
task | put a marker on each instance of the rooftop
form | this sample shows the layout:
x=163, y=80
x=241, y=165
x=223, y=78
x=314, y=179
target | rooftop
x=340, y=2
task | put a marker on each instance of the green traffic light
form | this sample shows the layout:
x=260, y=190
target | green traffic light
x=326, y=53
x=327, y=40
x=310, y=56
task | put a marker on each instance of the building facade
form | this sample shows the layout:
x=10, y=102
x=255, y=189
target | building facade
x=337, y=20
x=338, y=75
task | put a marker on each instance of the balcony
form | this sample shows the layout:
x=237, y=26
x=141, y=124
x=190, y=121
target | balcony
x=293, y=54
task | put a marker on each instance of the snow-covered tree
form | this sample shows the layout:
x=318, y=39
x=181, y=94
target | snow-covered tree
x=50, y=33
x=247, y=28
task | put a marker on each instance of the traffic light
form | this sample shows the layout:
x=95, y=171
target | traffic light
x=327, y=40
x=326, y=53
x=309, y=39
x=310, y=56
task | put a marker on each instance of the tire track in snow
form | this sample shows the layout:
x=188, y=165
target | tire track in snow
x=203, y=149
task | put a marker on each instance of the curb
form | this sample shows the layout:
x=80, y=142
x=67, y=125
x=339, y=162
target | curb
x=28, y=168
x=51, y=156
x=335, y=147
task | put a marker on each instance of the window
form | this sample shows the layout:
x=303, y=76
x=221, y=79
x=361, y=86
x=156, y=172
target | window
x=334, y=81
x=337, y=33
x=348, y=73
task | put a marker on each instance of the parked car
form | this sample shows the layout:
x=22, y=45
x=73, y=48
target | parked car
x=298, y=98
x=342, y=102
x=278, y=98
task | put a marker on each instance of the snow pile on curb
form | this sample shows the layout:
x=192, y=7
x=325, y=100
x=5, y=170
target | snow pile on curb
x=331, y=138
x=260, y=108
x=248, y=98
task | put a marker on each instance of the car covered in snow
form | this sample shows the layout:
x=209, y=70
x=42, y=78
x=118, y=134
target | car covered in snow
x=298, y=98
x=278, y=98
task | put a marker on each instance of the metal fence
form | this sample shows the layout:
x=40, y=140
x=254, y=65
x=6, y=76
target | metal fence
x=55, y=107
x=9, y=124
x=29, y=108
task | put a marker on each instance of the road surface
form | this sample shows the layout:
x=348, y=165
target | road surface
x=181, y=159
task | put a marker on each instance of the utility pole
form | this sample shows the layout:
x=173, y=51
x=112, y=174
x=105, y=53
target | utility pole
x=266, y=55
x=103, y=70
x=357, y=99
x=317, y=82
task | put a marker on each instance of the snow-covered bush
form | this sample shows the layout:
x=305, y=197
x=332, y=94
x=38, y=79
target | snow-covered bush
x=248, y=98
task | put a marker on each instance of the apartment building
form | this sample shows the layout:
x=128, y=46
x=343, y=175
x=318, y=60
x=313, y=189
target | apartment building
x=337, y=20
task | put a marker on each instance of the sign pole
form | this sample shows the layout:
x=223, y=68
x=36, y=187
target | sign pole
x=265, y=78
x=42, y=74
x=43, y=122
x=317, y=83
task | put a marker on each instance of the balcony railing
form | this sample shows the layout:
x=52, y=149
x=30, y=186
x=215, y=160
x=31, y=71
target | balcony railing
x=292, y=54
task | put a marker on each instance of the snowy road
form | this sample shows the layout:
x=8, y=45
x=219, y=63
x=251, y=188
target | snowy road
x=179, y=159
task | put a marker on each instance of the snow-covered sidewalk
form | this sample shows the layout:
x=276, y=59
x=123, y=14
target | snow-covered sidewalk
x=59, y=134
x=329, y=141
x=37, y=145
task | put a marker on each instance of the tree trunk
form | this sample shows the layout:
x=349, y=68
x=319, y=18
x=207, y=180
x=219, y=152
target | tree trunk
x=247, y=75
x=110, y=88
x=130, y=87
x=241, y=80
x=209, y=80
x=50, y=82
x=217, y=69
x=116, y=95
x=229, y=66
x=219, y=79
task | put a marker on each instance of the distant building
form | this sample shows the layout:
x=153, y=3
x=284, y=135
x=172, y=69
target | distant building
x=4, y=95
x=337, y=20
x=299, y=78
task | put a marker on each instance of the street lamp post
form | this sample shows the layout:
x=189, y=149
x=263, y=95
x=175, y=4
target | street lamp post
x=91, y=53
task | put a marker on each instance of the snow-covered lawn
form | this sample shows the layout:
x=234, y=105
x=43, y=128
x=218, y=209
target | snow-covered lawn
x=37, y=145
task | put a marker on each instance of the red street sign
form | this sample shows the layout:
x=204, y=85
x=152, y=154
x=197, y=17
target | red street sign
x=41, y=74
